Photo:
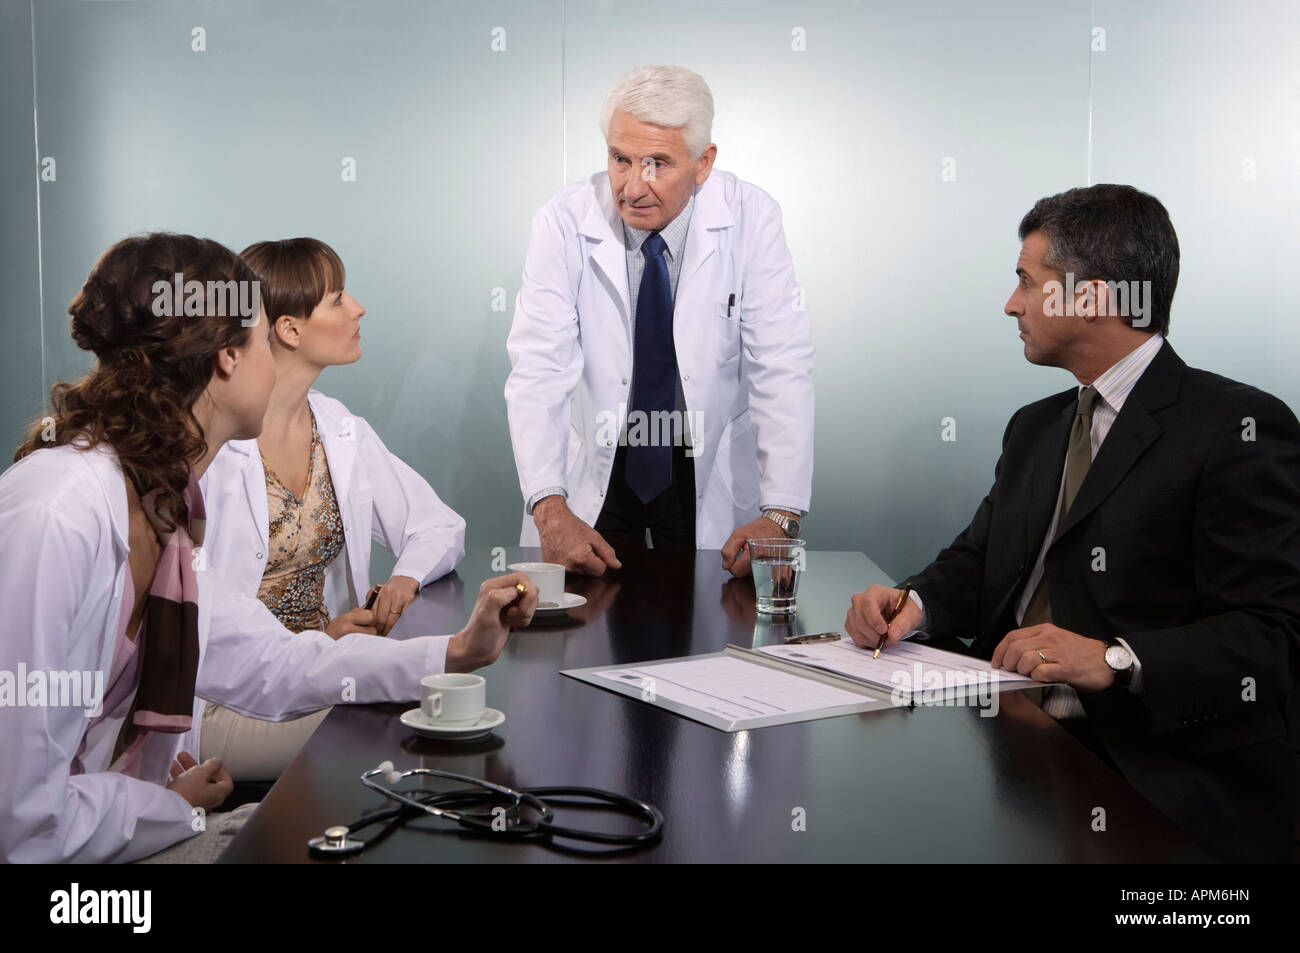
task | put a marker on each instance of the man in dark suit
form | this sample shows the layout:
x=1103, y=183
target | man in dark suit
x=1141, y=542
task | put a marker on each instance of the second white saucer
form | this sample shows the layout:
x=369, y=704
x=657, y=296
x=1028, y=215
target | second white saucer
x=425, y=727
x=571, y=600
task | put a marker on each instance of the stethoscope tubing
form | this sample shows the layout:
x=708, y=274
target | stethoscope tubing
x=429, y=806
x=448, y=805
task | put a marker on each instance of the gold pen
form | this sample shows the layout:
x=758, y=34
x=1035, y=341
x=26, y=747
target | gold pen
x=890, y=618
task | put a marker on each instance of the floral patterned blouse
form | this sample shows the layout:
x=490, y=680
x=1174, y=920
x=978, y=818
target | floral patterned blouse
x=305, y=536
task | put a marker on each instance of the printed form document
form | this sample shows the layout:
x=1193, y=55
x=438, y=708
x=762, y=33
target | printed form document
x=739, y=688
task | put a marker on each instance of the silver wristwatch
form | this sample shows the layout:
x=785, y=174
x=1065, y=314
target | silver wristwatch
x=1120, y=661
x=789, y=525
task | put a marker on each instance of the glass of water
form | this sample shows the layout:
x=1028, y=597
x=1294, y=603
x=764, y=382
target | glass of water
x=776, y=564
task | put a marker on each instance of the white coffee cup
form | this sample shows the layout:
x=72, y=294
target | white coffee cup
x=453, y=698
x=547, y=577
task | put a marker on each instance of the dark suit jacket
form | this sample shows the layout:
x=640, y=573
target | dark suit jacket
x=1199, y=529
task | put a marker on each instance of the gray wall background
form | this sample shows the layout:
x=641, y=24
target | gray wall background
x=845, y=112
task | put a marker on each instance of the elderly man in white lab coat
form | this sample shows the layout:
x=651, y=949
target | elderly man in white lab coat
x=661, y=380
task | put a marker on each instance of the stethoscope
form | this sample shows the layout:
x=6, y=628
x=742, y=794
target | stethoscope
x=486, y=807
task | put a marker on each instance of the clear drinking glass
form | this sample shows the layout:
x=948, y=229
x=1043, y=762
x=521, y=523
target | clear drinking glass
x=776, y=564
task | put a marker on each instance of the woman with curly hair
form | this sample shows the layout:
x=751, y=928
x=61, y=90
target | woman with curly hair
x=110, y=587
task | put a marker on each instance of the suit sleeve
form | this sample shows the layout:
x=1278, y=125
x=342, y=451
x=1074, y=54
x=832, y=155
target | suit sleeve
x=48, y=814
x=1244, y=649
x=426, y=535
x=950, y=586
x=776, y=332
x=257, y=667
x=545, y=358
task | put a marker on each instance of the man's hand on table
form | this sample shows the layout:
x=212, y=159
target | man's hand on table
x=569, y=541
x=1047, y=653
x=735, y=554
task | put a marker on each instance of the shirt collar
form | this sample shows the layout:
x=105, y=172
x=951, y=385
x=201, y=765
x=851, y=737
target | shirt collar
x=1118, y=381
x=673, y=234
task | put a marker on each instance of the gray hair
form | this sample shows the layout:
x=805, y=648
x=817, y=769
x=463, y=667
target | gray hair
x=668, y=96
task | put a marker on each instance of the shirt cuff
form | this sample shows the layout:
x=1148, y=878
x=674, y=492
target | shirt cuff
x=435, y=663
x=785, y=509
x=1135, y=684
x=543, y=494
x=916, y=600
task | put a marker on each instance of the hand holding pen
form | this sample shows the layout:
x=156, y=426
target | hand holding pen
x=504, y=603
x=880, y=616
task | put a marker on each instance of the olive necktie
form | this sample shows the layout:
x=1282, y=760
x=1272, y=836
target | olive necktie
x=1077, y=460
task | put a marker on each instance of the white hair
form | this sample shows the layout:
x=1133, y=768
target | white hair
x=668, y=96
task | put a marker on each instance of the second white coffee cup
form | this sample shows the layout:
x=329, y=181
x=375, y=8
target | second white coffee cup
x=453, y=699
x=547, y=577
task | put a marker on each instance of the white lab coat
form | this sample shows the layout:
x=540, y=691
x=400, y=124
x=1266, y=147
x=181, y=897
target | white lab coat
x=379, y=497
x=64, y=528
x=746, y=367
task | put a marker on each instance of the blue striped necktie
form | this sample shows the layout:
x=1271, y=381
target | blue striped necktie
x=654, y=373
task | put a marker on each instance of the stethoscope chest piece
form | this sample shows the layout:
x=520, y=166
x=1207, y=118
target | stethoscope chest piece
x=336, y=842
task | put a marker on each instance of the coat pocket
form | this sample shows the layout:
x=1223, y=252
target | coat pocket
x=726, y=331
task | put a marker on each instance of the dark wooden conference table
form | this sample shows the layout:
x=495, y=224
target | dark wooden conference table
x=924, y=784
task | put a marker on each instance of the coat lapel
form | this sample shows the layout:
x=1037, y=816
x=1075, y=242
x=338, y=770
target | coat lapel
x=698, y=283
x=710, y=214
x=255, y=491
x=334, y=433
x=340, y=438
x=602, y=232
x=1132, y=433
x=1045, y=481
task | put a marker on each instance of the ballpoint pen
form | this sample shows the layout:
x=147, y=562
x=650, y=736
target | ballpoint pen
x=902, y=596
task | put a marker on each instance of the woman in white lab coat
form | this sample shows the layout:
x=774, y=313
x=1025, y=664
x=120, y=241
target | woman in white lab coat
x=110, y=633
x=295, y=510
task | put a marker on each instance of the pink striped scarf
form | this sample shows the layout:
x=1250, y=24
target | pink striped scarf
x=164, y=700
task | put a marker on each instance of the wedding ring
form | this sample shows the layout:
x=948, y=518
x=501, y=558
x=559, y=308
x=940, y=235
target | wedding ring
x=1041, y=655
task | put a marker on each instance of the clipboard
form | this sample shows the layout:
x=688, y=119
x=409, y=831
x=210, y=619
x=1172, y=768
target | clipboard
x=718, y=689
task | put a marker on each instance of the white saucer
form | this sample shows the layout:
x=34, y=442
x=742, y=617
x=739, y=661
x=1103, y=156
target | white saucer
x=571, y=600
x=427, y=728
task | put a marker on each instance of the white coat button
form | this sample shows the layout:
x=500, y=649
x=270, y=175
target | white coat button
x=625, y=380
x=259, y=556
x=609, y=443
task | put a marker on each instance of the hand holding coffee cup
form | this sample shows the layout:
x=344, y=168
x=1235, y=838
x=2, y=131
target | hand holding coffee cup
x=500, y=607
